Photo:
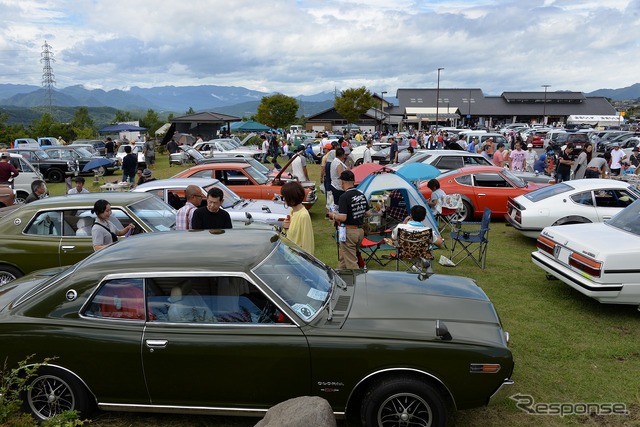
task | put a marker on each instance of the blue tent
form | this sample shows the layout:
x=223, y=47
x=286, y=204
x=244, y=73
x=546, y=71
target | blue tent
x=122, y=128
x=378, y=183
x=249, y=126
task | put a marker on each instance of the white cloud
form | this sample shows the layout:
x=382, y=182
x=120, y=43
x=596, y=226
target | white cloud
x=308, y=46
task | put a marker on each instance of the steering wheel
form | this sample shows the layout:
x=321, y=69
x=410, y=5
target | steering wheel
x=266, y=314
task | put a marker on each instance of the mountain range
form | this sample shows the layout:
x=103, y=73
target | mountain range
x=232, y=100
x=237, y=101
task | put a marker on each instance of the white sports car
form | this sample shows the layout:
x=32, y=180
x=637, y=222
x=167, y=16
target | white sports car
x=173, y=190
x=598, y=260
x=570, y=202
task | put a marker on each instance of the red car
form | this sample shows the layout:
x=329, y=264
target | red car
x=247, y=181
x=482, y=187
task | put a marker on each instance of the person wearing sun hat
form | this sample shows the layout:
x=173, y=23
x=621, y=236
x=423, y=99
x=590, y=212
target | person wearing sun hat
x=531, y=157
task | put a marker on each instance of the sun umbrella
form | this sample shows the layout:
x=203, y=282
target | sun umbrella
x=418, y=171
x=97, y=163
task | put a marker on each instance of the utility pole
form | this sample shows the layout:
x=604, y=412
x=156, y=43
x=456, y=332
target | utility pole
x=48, y=80
x=544, y=105
x=438, y=98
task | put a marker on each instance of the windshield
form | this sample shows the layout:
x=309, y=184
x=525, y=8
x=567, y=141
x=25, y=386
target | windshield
x=258, y=176
x=298, y=278
x=517, y=181
x=83, y=152
x=259, y=166
x=155, y=213
x=628, y=219
x=229, y=199
x=420, y=157
x=41, y=154
x=546, y=192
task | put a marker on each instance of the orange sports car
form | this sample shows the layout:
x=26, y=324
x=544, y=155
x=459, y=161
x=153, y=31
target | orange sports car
x=482, y=187
x=247, y=181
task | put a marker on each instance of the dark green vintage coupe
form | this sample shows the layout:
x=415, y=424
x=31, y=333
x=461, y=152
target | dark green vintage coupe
x=236, y=321
x=56, y=231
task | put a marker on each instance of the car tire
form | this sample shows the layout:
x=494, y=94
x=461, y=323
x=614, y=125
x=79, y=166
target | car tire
x=52, y=391
x=403, y=401
x=20, y=198
x=359, y=162
x=466, y=213
x=55, y=175
x=9, y=274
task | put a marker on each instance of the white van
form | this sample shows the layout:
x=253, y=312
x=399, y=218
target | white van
x=295, y=128
x=28, y=174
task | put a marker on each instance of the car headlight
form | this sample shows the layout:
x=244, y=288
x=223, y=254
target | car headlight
x=71, y=165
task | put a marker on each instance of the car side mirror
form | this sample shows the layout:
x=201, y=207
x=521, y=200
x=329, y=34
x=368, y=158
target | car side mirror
x=442, y=331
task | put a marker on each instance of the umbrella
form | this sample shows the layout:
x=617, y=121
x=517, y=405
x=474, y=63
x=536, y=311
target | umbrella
x=97, y=163
x=418, y=171
x=364, y=170
x=122, y=128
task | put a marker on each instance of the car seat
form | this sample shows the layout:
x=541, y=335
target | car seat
x=84, y=226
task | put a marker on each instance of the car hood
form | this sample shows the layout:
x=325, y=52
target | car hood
x=387, y=302
x=264, y=206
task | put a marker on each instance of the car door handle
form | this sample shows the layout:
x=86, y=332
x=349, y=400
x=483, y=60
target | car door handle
x=482, y=194
x=68, y=248
x=157, y=343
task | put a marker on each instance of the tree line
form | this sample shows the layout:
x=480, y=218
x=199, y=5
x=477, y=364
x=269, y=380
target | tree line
x=275, y=111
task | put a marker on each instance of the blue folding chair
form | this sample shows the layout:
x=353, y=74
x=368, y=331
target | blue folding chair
x=471, y=243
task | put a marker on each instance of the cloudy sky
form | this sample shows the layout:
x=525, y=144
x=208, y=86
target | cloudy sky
x=307, y=46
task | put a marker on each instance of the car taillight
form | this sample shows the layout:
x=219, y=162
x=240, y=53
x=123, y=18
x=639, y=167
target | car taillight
x=518, y=217
x=591, y=267
x=545, y=244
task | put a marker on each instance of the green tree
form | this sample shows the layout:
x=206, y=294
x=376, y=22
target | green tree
x=151, y=121
x=82, y=125
x=10, y=132
x=82, y=119
x=122, y=116
x=277, y=111
x=190, y=111
x=352, y=103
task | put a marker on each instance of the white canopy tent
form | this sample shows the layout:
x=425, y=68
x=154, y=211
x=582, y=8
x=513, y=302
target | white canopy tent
x=595, y=120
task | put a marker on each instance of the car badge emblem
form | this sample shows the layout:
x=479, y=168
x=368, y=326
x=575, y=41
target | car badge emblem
x=72, y=295
x=17, y=221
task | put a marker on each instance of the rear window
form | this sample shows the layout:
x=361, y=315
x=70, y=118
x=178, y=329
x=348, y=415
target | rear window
x=546, y=192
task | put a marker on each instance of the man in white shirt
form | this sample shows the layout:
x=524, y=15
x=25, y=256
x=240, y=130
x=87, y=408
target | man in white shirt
x=366, y=156
x=299, y=165
x=79, y=188
x=617, y=156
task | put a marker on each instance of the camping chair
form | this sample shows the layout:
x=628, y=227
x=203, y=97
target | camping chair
x=413, y=250
x=473, y=243
x=370, y=246
x=450, y=207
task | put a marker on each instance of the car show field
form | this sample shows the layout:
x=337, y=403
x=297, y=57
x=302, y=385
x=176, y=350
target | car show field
x=567, y=348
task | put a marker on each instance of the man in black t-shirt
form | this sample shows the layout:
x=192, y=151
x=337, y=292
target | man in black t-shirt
x=352, y=209
x=110, y=148
x=211, y=216
x=565, y=161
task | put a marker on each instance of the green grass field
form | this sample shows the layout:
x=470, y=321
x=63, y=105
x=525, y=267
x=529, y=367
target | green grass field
x=567, y=348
